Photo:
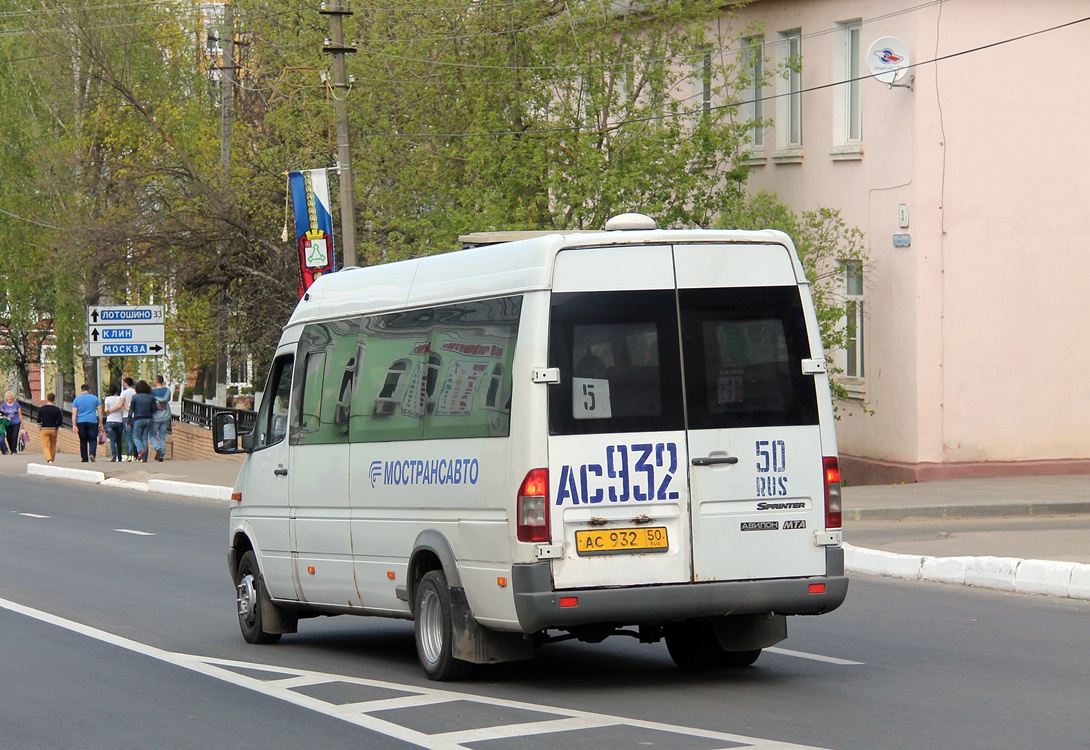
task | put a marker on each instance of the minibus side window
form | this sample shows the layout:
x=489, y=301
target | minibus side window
x=743, y=358
x=328, y=372
x=436, y=373
x=389, y=400
x=272, y=424
x=469, y=383
x=619, y=362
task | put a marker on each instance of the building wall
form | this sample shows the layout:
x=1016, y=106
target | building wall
x=975, y=361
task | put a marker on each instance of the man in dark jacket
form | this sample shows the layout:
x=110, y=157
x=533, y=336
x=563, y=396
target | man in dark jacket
x=51, y=419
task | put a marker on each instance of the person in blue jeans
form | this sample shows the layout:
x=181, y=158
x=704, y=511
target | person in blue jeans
x=86, y=420
x=115, y=422
x=143, y=408
x=161, y=418
x=127, y=392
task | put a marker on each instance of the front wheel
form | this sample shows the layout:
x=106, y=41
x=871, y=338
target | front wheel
x=435, y=630
x=249, y=594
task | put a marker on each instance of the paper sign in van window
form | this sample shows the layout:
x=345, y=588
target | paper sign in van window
x=590, y=398
x=730, y=386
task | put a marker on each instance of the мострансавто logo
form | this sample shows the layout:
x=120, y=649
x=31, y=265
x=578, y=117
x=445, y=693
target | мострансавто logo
x=425, y=471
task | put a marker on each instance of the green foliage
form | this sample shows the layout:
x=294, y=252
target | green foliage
x=528, y=115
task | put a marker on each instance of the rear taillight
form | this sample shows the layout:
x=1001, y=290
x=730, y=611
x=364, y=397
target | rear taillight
x=832, y=493
x=532, y=508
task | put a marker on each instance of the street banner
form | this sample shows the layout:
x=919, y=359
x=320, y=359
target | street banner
x=313, y=225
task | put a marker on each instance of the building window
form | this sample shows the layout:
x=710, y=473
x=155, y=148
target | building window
x=789, y=99
x=847, y=104
x=753, y=109
x=705, y=81
x=854, y=317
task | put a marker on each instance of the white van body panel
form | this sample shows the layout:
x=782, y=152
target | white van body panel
x=344, y=519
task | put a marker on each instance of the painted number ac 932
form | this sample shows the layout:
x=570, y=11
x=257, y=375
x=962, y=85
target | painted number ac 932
x=639, y=472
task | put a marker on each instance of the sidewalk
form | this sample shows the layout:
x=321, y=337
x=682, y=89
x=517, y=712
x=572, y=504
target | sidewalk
x=1029, y=534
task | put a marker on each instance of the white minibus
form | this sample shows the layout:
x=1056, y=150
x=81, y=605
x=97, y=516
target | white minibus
x=564, y=436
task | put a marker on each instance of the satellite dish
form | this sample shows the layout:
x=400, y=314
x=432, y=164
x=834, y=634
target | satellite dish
x=887, y=59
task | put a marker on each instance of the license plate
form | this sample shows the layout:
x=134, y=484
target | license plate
x=621, y=541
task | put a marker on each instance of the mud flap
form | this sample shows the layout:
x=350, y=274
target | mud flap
x=750, y=632
x=480, y=645
x=276, y=620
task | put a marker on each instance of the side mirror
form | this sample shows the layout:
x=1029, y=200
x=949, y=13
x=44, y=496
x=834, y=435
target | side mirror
x=225, y=437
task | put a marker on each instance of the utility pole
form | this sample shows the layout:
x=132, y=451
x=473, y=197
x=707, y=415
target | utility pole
x=227, y=96
x=336, y=11
x=227, y=82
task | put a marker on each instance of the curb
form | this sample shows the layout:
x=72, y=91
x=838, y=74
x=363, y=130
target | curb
x=160, y=486
x=1062, y=579
x=1074, y=508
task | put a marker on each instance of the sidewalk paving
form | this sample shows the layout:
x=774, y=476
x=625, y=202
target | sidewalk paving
x=1026, y=534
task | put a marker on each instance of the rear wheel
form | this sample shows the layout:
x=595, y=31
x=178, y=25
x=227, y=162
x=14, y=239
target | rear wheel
x=692, y=644
x=435, y=630
x=740, y=658
x=249, y=594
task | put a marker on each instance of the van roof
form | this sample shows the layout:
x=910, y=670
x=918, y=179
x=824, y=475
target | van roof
x=507, y=267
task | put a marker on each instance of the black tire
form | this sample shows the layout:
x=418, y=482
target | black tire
x=692, y=644
x=740, y=658
x=249, y=595
x=434, y=630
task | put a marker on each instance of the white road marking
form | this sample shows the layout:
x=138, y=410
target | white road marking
x=134, y=531
x=281, y=680
x=30, y=515
x=813, y=657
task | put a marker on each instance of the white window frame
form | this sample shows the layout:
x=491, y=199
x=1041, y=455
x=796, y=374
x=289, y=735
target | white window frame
x=703, y=78
x=847, y=97
x=753, y=110
x=855, y=369
x=789, y=101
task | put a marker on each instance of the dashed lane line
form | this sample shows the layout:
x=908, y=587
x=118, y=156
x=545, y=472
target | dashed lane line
x=284, y=683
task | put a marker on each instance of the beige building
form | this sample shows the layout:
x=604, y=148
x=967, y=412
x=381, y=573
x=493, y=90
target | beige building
x=971, y=180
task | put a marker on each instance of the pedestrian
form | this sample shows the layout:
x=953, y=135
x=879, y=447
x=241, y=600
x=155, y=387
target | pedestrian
x=3, y=434
x=140, y=414
x=87, y=421
x=13, y=410
x=115, y=423
x=161, y=418
x=50, y=421
x=127, y=392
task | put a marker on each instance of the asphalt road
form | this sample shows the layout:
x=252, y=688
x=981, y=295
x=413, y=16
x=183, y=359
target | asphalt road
x=119, y=633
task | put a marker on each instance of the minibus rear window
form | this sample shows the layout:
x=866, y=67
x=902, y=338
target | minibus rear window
x=743, y=358
x=619, y=364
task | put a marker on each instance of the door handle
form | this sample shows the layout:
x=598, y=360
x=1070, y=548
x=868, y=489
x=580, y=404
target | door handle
x=280, y=471
x=713, y=460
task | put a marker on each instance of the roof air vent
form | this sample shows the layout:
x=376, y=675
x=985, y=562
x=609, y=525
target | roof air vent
x=630, y=221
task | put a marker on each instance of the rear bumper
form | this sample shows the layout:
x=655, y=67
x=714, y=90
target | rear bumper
x=537, y=604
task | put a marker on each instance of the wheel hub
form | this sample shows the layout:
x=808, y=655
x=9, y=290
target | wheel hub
x=246, y=596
